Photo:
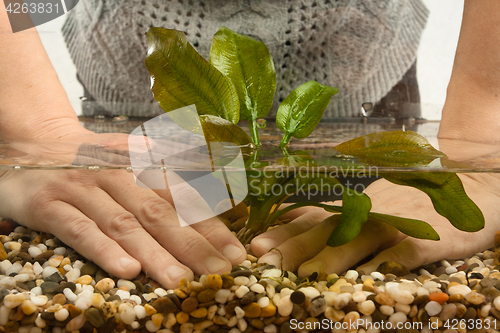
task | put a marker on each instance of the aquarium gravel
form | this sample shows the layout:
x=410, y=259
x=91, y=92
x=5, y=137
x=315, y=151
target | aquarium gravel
x=47, y=287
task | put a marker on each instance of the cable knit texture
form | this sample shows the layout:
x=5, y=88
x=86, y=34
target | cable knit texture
x=364, y=47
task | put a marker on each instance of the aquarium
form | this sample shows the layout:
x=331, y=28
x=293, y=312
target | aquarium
x=48, y=285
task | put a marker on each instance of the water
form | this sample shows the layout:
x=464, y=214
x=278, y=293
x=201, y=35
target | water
x=319, y=147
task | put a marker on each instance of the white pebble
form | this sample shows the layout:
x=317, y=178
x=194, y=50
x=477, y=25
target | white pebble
x=127, y=314
x=232, y=330
x=73, y=274
x=60, y=251
x=271, y=273
x=36, y=290
x=386, y=310
x=433, y=308
x=50, y=242
x=48, y=271
x=14, y=246
x=459, y=289
x=151, y=327
x=4, y=265
x=136, y=299
x=61, y=315
x=451, y=270
x=158, y=291
x=366, y=307
x=258, y=288
x=39, y=322
x=37, y=268
x=242, y=324
x=246, y=263
x=239, y=312
x=496, y=303
x=263, y=302
x=270, y=291
x=40, y=300
x=405, y=308
x=271, y=328
x=15, y=268
x=309, y=292
x=123, y=294
x=241, y=280
x=22, y=277
x=285, y=306
x=42, y=247
x=7, y=282
x=13, y=300
x=222, y=295
x=403, y=297
x=4, y=315
x=445, y=263
x=135, y=325
x=130, y=285
x=83, y=303
x=377, y=276
x=78, y=264
x=140, y=312
x=397, y=317
x=359, y=297
x=33, y=251
x=241, y=291
x=351, y=274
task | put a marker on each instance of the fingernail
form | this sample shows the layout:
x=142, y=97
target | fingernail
x=174, y=272
x=214, y=264
x=271, y=259
x=308, y=269
x=232, y=252
x=265, y=243
x=125, y=262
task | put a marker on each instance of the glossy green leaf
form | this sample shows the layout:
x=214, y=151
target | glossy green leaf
x=217, y=129
x=180, y=77
x=248, y=63
x=448, y=197
x=394, y=148
x=410, y=227
x=300, y=113
x=355, y=209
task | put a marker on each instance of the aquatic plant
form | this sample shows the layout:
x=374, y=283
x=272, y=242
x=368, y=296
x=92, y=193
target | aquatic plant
x=238, y=82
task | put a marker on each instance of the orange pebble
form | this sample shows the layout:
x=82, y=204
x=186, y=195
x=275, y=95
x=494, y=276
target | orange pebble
x=439, y=297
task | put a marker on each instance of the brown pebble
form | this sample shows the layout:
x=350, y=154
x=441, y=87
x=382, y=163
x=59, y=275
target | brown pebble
x=457, y=298
x=393, y=267
x=11, y=327
x=230, y=307
x=94, y=317
x=199, y=313
x=189, y=304
x=247, y=298
x=299, y=313
x=219, y=320
x=206, y=295
x=227, y=281
x=268, y=311
x=470, y=314
x=164, y=305
x=461, y=310
x=3, y=253
x=384, y=298
x=59, y=299
x=257, y=323
x=252, y=310
x=73, y=310
x=45, y=255
x=421, y=299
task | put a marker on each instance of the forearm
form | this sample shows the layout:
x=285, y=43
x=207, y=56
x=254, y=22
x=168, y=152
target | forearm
x=33, y=103
x=472, y=108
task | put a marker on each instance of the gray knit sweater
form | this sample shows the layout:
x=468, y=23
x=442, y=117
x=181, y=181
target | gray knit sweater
x=364, y=47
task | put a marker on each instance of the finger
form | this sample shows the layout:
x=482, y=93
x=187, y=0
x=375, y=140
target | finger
x=275, y=237
x=79, y=232
x=410, y=253
x=160, y=219
x=373, y=237
x=122, y=226
x=192, y=207
x=302, y=247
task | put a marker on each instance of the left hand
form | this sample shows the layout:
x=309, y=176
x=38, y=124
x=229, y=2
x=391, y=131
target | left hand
x=303, y=241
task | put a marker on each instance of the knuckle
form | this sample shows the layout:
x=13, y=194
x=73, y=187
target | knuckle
x=155, y=209
x=123, y=223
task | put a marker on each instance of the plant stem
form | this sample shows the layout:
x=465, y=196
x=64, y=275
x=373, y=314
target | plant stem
x=254, y=132
x=286, y=138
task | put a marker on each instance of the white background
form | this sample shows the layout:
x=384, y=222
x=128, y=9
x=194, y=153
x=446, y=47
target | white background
x=434, y=60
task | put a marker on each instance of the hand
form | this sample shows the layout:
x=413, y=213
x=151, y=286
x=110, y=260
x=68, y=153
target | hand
x=303, y=241
x=107, y=218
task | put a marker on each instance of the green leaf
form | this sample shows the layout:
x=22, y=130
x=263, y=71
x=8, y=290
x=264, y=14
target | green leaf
x=180, y=77
x=410, y=227
x=248, y=63
x=301, y=111
x=448, y=197
x=393, y=148
x=217, y=129
x=355, y=209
